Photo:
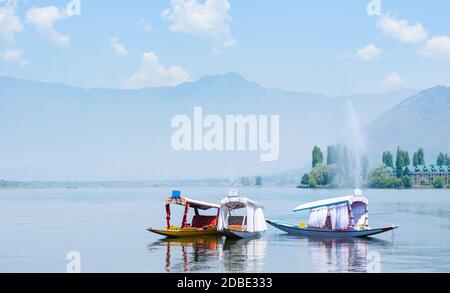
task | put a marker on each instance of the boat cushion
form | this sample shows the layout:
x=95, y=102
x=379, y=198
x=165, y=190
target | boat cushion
x=204, y=221
x=235, y=220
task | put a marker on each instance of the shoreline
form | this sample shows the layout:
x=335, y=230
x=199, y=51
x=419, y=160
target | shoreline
x=162, y=186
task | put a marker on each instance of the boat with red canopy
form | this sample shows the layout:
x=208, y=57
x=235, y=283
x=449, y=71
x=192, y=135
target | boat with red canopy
x=200, y=225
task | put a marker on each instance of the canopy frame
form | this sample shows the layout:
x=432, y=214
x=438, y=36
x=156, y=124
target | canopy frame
x=253, y=218
x=198, y=204
x=331, y=205
x=187, y=203
x=331, y=202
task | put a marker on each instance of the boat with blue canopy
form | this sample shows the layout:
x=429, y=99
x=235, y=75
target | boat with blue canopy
x=345, y=216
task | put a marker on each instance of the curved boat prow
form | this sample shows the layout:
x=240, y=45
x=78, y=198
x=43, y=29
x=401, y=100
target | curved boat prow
x=318, y=232
x=345, y=216
x=189, y=232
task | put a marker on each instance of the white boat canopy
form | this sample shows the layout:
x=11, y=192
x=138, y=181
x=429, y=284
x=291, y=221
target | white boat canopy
x=201, y=204
x=193, y=203
x=338, y=213
x=253, y=219
x=332, y=201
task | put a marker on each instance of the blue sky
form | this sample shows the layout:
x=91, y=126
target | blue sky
x=330, y=47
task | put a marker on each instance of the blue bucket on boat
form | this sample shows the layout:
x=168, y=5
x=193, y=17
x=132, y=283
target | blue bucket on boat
x=176, y=194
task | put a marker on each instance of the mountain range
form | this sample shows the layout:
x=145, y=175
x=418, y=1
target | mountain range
x=54, y=131
x=422, y=120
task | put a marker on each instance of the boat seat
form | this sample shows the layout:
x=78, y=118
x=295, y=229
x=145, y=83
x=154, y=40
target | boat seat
x=204, y=221
x=236, y=220
x=236, y=227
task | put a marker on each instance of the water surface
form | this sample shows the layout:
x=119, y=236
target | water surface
x=107, y=227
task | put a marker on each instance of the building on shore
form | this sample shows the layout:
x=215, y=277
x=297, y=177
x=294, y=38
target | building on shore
x=423, y=175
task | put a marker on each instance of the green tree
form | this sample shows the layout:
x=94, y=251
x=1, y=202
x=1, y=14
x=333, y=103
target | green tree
x=388, y=159
x=407, y=182
x=346, y=166
x=332, y=155
x=320, y=175
x=399, y=163
x=438, y=182
x=447, y=160
x=245, y=181
x=379, y=178
x=415, y=159
x=333, y=176
x=312, y=182
x=419, y=157
x=364, y=166
x=406, y=160
x=258, y=181
x=424, y=182
x=305, y=179
x=379, y=171
x=317, y=156
x=442, y=160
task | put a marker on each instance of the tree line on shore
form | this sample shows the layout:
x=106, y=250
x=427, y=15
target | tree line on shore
x=381, y=176
x=247, y=181
x=343, y=168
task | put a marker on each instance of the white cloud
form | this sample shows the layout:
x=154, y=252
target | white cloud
x=146, y=25
x=10, y=23
x=437, y=48
x=44, y=19
x=401, y=29
x=14, y=56
x=393, y=80
x=209, y=20
x=118, y=47
x=368, y=53
x=153, y=74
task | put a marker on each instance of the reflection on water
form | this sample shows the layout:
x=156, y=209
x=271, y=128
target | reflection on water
x=200, y=254
x=342, y=255
x=189, y=254
x=33, y=218
x=244, y=255
x=336, y=255
x=419, y=208
x=248, y=255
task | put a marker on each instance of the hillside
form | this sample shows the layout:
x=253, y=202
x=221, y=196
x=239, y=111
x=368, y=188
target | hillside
x=57, y=132
x=422, y=120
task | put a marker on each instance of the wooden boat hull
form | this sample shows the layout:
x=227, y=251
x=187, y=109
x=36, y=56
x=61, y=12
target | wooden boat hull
x=311, y=232
x=185, y=232
x=232, y=233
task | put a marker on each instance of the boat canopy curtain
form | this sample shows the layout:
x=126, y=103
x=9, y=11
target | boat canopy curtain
x=318, y=217
x=359, y=212
x=253, y=214
x=339, y=216
x=222, y=223
x=255, y=219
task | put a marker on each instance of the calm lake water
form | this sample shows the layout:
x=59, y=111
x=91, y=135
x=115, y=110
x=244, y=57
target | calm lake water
x=107, y=227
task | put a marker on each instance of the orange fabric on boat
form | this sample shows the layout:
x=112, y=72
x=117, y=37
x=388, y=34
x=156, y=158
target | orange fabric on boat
x=203, y=221
x=236, y=227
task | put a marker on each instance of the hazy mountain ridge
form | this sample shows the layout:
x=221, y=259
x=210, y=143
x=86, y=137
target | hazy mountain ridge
x=422, y=120
x=59, y=132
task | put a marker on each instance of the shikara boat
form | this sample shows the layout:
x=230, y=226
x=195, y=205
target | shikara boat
x=200, y=225
x=334, y=218
x=249, y=223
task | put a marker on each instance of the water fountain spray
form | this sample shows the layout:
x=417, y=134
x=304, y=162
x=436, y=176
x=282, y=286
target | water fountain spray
x=354, y=140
